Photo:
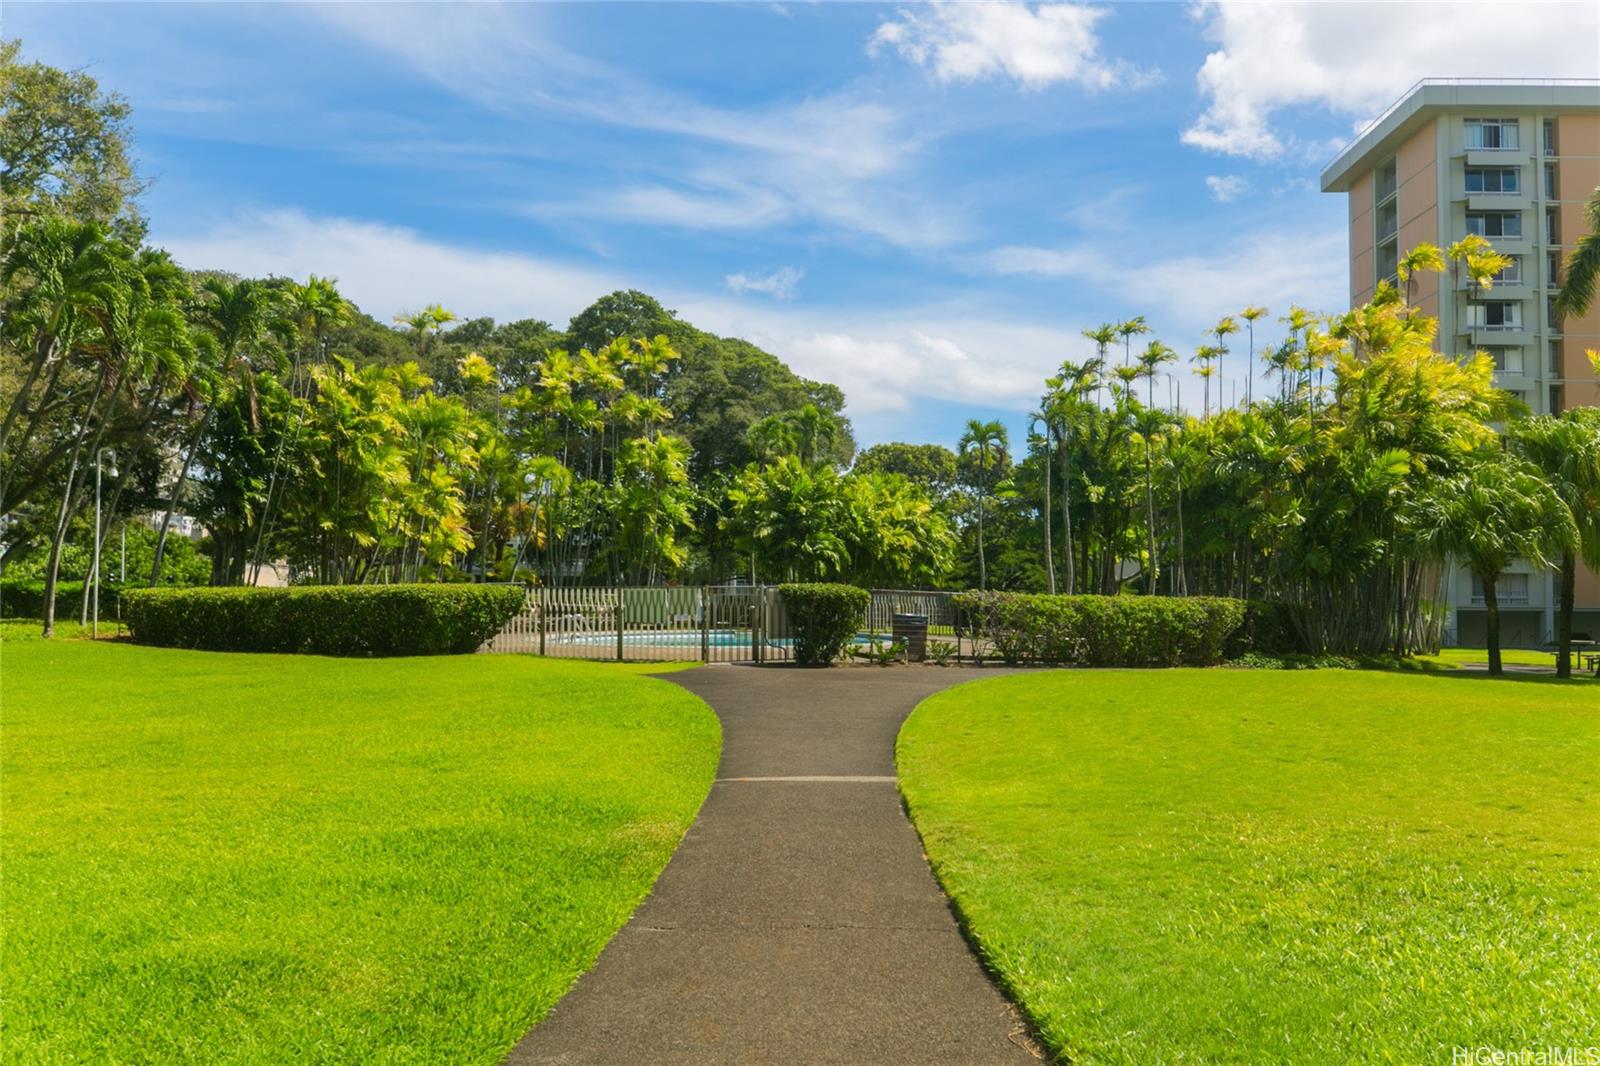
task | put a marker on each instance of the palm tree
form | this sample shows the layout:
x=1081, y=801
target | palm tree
x=1582, y=268
x=1499, y=510
x=985, y=442
x=1151, y=360
x=1127, y=331
x=1103, y=338
x=1221, y=331
x=1205, y=361
x=815, y=430
x=1035, y=420
x=1566, y=450
x=1481, y=263
x=1424, y=256
x=424, y=324
x=1250, y=314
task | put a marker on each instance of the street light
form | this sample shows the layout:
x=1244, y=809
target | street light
x=99, y=456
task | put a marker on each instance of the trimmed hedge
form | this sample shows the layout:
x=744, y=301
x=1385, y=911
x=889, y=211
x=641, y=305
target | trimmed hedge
x=25, y=598
x=323, y=619
x=823, y=618
x=1102, y=630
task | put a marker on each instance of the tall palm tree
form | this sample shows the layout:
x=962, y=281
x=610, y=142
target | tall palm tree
x=1250, y=314
x=1581, y=271
x=1498, y=510
x=1134, y=327
x=985, y=442
x=1424, y=256
x=1221, y=331
x=1566, y=450
x=1151, y=360
x=1036, y=419
x=424, y=324
x=1205, y=362
x=1477, y=258
x=1103, y=339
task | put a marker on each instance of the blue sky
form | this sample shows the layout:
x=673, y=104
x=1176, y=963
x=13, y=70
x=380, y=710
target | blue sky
x=922, y=204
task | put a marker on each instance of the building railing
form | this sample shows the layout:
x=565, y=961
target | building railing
x=1424, y=82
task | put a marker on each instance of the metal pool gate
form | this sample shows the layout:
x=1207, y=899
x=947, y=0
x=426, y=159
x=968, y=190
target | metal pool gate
x=690, y=623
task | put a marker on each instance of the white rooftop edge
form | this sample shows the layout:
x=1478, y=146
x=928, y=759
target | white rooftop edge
x=1430, y=95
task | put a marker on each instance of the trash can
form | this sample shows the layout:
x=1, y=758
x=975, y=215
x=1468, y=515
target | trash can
x=912, y=630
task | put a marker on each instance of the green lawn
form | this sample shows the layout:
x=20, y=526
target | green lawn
x=263, y=858
x=1266, y=866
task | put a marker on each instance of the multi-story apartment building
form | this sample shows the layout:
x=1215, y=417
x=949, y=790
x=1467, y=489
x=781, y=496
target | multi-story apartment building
x=1513, y=160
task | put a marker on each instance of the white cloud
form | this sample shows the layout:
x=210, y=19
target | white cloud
x=1355, y=59
x=885, y=359
x=1227, y=189
x=1039, y=262
x=780, y=284
x=386, y=269
x=838, y=159
x=1034, y=46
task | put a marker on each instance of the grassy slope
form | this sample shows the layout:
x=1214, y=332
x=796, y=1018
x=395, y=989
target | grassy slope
x=1269, y=866
x=256, y=858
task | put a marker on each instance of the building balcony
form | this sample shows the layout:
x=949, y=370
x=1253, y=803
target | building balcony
x=1497, y=201
x=1496, y=157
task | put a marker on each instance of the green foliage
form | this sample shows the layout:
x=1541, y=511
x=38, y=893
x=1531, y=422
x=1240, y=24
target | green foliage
x=823, y=618
x=323, y=620
x=334, y=842
x=941, y=652
x=932, y=467
x=880, y=652
x=23, y=597
x=1102, y=630
x=65, y=144
x=1176, y=866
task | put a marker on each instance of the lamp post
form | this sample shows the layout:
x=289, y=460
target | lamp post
x=99, y=458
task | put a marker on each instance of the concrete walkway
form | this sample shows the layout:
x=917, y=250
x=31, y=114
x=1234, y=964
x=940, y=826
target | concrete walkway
x=798, y=922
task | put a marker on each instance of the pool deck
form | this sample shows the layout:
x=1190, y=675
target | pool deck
x=798, y=921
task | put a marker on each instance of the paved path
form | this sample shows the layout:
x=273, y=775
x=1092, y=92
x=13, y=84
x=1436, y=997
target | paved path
x=798, y=922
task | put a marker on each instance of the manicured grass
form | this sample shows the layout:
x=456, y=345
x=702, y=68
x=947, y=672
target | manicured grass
x=20, y=629
x=1264, y=866
x=269, y=858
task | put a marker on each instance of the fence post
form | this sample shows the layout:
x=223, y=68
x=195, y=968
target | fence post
x=705, y=625
x=539, y=610
x=621, y=594
x=757, y=598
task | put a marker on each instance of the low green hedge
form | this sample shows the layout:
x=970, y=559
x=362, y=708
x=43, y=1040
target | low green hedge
x=24, y=598
x=1102, y=630
x=823, y=619
x=323, y=619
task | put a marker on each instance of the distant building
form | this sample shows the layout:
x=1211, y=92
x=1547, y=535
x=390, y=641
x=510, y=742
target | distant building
x=1513, y=160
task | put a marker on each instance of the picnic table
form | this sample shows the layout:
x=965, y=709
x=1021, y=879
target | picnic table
x=1587, y=652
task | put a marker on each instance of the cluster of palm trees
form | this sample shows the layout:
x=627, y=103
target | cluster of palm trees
x=1350, y=492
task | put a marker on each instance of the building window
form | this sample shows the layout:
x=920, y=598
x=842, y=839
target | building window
x=1510, y=590
x=1491, y=134
x=1512, y=274
x=1494, y=179
x=1551, y=189
x=1497, y=314
x=1552, y=226
x=1552, y=270
x=1551, y=318
x=1495, y=223
x=1558, y=399
x=1506, y=360
x=1549, y=136
x=1555, y=358
x=1385, y=183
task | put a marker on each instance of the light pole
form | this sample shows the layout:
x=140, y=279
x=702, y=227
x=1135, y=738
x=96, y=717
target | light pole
x=99, y=457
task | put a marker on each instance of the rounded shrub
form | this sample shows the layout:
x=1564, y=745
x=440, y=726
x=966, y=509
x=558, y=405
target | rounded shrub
x=360, y=620
x=823, y=618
